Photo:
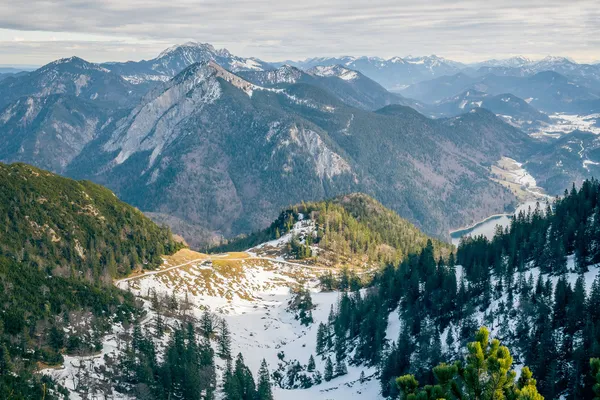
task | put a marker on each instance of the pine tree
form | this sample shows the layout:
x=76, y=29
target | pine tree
x=224, y=343
x=526, y=386
x=264, y=382
x=206, y=324
x=593, y=304
x=595, y=369
x=5, y=364
x=328, y=373
x=231, y=388
x=322, y=333
x=340, y=368
x=311, y=364
x=245, y=381
x=486, y=375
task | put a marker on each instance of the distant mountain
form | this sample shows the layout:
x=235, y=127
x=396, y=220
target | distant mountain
x=175, y=59
x=47, y=116
x=547, y=91
x=438, y=89
x=394, y=73
x=571, y=158
x=512, y=62
x=298, y=143
x=582, y=74
x=72, y=76
x=510, y=108
x=49, y=131
x=352, y=87
x=16, y=70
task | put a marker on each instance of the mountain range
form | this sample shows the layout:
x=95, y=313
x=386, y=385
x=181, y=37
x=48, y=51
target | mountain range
x=398, y=72
x=216, y=144
x=547, y=91
x=187, y=137
x=392, y=73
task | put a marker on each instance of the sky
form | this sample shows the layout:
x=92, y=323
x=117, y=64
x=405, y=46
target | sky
x=35, y=32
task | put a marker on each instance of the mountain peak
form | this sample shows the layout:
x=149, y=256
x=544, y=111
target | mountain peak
x=207, y=47
x=199, y=72
x=76, y=62
x=555, y=60
x=336, y=70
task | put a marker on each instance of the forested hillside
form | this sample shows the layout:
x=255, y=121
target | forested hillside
x=353, y=225
x=61, y=244
x=535, y=285
x=74, y=228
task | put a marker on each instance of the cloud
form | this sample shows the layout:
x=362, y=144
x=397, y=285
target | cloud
x=464, y=30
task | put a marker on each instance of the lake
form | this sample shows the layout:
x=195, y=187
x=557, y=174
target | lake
x=487, y=227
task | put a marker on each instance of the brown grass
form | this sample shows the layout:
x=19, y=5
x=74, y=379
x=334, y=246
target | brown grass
x=183, y=256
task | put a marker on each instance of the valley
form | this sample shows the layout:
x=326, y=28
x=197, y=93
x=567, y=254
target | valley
x=202, y=225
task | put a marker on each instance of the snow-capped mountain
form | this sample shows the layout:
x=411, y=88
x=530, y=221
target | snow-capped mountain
x=334, y=70
x=350, y=86
x=70, y=76
x=285, y=74
x=582, y=74
x=47, y=116
x=176, y=58
x=512, y=62
x=189, y=132
x=510, y=108
x=392, y=73
x=547, y=90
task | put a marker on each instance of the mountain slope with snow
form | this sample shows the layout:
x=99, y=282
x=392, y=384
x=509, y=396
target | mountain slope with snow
x=175, y=59
x=393, y=73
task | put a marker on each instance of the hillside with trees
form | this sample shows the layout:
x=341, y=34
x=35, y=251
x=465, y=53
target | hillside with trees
x=353, y=226
x=62, y=243
x=535, y=284
x=74, y=228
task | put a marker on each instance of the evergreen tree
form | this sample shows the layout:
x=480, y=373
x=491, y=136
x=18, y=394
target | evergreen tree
x=486, y=375
x=206, y=324
x=595, y=370
x=322, y=333
x=224, y=342
x=244, y=378
x=340, y=368
x=328, y=373
x=311, y=364
x=264, y=382
x=5, y=364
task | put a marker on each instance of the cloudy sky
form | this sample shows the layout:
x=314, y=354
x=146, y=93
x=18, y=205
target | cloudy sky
x=34, y=32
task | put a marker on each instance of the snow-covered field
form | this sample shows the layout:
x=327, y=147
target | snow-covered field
x=562, y=124
x=251, y=293
x=262, y=326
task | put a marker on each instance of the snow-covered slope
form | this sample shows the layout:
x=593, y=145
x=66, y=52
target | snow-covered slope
x=175, y=59
x=252, y=293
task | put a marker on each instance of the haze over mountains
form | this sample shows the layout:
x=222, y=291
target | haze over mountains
x=203, y=138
